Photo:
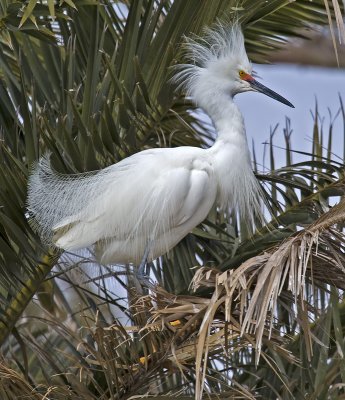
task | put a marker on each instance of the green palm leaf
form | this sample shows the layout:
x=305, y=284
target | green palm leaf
x=90, y=85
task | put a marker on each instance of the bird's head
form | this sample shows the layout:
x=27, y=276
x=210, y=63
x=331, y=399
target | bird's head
x=217, y=63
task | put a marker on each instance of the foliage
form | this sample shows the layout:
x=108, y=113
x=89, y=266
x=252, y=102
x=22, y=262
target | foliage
x=88, y=82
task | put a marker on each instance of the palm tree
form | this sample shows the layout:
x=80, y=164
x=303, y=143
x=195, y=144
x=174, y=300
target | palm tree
x=88, y=82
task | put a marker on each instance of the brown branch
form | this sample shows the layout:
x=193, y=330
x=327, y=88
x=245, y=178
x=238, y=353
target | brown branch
x=316, y=50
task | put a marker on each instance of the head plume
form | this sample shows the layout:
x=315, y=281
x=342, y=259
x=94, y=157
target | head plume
x=218, y=46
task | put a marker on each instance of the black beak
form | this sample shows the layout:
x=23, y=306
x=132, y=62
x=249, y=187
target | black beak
x=259, y=87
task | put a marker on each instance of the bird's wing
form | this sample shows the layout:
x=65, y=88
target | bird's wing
x=146, y=194
x=58, y=203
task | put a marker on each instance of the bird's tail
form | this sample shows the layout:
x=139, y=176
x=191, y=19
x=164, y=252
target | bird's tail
x=55, y=200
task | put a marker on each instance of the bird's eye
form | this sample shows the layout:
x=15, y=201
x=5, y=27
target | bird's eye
x=241, y=73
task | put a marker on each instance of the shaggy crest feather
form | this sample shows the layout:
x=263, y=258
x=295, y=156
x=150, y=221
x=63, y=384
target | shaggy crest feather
x=220, y=43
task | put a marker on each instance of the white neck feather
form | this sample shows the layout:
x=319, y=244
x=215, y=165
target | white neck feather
x=227, y=119
x=238, y=187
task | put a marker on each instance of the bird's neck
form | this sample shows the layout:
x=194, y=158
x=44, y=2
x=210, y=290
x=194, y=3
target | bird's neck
x=238, y=188
x=227, y=120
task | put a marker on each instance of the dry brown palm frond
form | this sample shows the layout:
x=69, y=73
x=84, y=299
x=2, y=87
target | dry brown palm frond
x=200, y=330
x=109, y=359
x=339, y=24
x=12, y=385
x=312, y=255
x=243, y=305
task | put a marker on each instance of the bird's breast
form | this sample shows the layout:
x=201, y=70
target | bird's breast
x=231, y=165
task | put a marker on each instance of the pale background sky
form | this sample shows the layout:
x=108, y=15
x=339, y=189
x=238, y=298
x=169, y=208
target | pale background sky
x=300, y=85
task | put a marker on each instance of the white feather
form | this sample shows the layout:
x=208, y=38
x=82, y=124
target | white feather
x=123, y=207
x=157, y=196
x=223, y=45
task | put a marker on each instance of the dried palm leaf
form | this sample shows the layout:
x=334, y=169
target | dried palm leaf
x=244, y=300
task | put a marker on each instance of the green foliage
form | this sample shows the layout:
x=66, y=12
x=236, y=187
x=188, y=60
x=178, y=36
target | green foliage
x=90, y=84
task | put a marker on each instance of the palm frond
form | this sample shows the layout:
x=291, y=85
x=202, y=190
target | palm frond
x=87, y=81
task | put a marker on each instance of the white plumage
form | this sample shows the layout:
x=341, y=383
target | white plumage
x=156, y=197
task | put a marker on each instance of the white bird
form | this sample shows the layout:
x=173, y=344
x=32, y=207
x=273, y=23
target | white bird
x=148, y=202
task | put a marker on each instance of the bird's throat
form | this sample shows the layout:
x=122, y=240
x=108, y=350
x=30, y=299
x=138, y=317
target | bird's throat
x=228, y=121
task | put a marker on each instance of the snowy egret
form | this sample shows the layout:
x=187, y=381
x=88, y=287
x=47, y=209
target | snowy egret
x=146, y=203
